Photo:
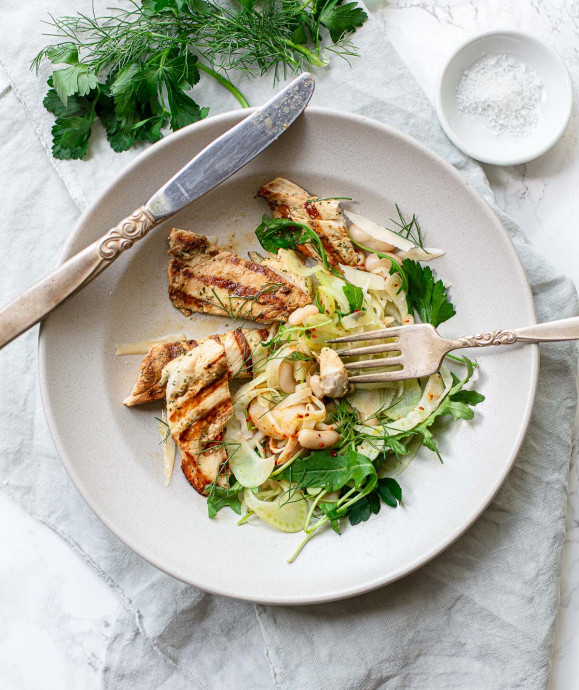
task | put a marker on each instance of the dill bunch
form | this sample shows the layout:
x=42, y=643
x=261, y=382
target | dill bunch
x=134, y=67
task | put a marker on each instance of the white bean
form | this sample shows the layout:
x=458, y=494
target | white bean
x=316, y=386
x=299, y=316
x=286, y=377
x=380, y=266
x=314, y=440
x=358, y=235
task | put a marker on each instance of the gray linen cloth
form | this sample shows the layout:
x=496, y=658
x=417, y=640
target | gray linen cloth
x=481, y=615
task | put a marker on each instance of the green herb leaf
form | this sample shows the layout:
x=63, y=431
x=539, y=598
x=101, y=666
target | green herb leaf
x=220, y=497
x=355, y=297
x=184, y=110
x=76, y=105
x=76, y=79
x=330, y=470
x=390, y=491
x=70, y=137
x=64, y=53
x=341, y=19
x=429, y=298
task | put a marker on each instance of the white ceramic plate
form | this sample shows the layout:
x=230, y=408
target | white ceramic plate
x=112, y=453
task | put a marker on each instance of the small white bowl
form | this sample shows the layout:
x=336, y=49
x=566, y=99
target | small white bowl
x=471, y=133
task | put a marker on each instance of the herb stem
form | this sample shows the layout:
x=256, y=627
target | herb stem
x=224, y=82
x=320, y=523
x=310, y=57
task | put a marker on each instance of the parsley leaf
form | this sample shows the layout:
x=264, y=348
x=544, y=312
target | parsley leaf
x=74, y=80
x=220, y=497
x=70, y=137
x=355, y=297
x=429, y=298
x=341, y=19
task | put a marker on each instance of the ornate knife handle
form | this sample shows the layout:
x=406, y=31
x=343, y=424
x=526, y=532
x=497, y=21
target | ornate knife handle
x=552, y=331
x=38, y=301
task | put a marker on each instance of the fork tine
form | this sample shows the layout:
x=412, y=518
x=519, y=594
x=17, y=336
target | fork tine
x=370, y=335
x=371, y=350
x=382, y=377
x=374, y=363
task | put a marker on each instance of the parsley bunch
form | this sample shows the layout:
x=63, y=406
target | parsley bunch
x=134, y=68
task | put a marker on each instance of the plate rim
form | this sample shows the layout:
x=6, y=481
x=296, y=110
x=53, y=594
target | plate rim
x=346, y=592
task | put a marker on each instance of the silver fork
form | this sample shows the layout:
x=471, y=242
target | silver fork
x=421, y=348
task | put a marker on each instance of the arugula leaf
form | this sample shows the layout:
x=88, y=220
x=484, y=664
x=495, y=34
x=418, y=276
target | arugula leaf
x=220, y=497
x=458, y=404
x=429, y=298
x=330, y=469
x=334, y=514
x=341, y=19
x=355, y=297
x=70, y=137
x=390, y=491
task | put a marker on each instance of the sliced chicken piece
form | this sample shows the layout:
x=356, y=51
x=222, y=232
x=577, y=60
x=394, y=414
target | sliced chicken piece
x=333, y=374
x=285, y=263
x=206, y=278
x=198, y=409
x=243, y=347
x=287, y=200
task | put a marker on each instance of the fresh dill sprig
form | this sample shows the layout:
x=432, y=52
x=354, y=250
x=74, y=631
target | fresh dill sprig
x=133, y=67
x=243, y=311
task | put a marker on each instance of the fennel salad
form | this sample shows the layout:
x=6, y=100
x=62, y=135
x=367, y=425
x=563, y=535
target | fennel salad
x=305, y=451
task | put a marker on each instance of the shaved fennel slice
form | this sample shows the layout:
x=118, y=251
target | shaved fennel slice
x=379, y=232
x=434, y=393
x=363, y=279
x=368, y=402
x=409, y=400
x=419, y=254
x=408, y=249
x=283, y=513
x=141, y=347
x=394, y=466
x=249, y=468
x=169, y=448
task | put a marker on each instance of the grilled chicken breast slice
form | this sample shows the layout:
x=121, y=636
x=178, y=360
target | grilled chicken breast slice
x=242, y=348
x=198, y=409
x=287, y=200
x=285, y=263
x=203, y=277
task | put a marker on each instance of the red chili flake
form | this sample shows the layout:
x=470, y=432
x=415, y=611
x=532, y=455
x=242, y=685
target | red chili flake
x=356, y=311
x=321, y=445
x=421, y=408
x=314, y=335
x=431, y=396
x=334, y=453
x=395, y=285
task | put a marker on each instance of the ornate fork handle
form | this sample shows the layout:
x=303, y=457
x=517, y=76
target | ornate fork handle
x=552, y=331
x=488, y=338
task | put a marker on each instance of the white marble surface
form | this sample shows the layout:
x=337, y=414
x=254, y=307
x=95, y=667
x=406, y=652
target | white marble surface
x=55, y=613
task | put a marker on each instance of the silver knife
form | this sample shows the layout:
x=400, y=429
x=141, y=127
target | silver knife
x=218, y=161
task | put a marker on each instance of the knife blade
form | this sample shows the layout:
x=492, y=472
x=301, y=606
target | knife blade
x=214, y=164
x=231, y=151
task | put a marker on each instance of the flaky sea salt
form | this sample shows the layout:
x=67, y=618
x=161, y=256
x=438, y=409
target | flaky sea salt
x=505, y=91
